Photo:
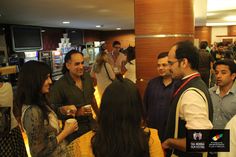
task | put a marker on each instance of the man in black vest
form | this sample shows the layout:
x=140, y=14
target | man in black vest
x=191, y=106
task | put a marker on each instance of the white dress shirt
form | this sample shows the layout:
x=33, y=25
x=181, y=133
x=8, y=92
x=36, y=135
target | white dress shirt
x=231, y=125
x=194, y=110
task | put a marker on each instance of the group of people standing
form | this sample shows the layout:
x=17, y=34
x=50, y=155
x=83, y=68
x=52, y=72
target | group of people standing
x=184, y=101
x=120, y=113
x=125, y=126
x=111, y=65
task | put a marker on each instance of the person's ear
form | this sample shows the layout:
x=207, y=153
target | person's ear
x=184, y=62
x=67, y=65
x=233, y=76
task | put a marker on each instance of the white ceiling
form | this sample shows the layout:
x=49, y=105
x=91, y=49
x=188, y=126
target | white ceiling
x=86, y=14
x=221, y=12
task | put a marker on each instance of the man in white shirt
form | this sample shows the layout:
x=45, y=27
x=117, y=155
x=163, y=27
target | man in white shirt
x=117, y=59
x=191, y=106
x=231, y=125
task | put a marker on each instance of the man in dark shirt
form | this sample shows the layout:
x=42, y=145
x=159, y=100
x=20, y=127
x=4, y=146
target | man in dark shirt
x=158, y=95
x=205, y=63
x=219, y=52
x=73, y=94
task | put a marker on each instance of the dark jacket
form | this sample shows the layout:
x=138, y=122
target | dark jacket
x=196, y=83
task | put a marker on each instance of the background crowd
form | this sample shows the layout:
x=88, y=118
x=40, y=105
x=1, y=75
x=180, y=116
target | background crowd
x=194, y=89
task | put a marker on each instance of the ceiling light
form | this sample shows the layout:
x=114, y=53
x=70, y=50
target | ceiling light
x=86, y=6
x=66, y=22
x=99, y=26
x=103, y=11
x=230, y=18
x=221, y=24
x=118, y=28
x=42, y=30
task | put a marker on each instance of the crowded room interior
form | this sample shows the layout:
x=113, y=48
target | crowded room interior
x=148, y=78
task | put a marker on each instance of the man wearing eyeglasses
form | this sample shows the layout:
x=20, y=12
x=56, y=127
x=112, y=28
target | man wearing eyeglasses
x=191, y=106
x=117, y=59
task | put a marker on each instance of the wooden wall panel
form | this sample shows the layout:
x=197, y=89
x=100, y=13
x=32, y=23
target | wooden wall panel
x=92, y=35
x=146, y=57
x=126, y=37
x=158, y=25
x=51, y=37
x=231, y=30
x=203, y=33
x=163, y=16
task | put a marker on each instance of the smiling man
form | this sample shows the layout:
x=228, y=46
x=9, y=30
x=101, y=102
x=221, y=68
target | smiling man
x=158, y=95
x=73, y=92
x=224, y=94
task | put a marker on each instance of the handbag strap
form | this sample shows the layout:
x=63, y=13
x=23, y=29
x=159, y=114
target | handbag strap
x=107, y=71
x=24, y=109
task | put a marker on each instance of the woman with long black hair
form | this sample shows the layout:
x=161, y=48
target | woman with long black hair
x=121, y=131
x=37, y=116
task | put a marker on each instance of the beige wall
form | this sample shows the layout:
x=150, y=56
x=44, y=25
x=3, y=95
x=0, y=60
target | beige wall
x=218, y=31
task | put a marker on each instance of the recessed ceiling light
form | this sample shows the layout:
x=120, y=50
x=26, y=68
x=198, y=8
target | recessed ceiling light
x=118, y=28
x=86, y=6
x=103, y=11
x=98, y=26
x=66, y=22
x=42, y=30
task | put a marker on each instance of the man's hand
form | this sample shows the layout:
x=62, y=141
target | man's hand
x=166, y=144
x=84, y=111
x=69, y=110
x=175, y=143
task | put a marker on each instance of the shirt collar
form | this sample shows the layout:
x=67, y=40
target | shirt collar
x=161, y=80
x=231, y=90
x=69, y=78
x=189, y=75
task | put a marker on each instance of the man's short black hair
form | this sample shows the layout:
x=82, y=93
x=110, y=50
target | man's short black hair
x=186, y=49
x=203, y=44
x=220, y=44
x=115, y=43
x=229, y=62
x=162, y=55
